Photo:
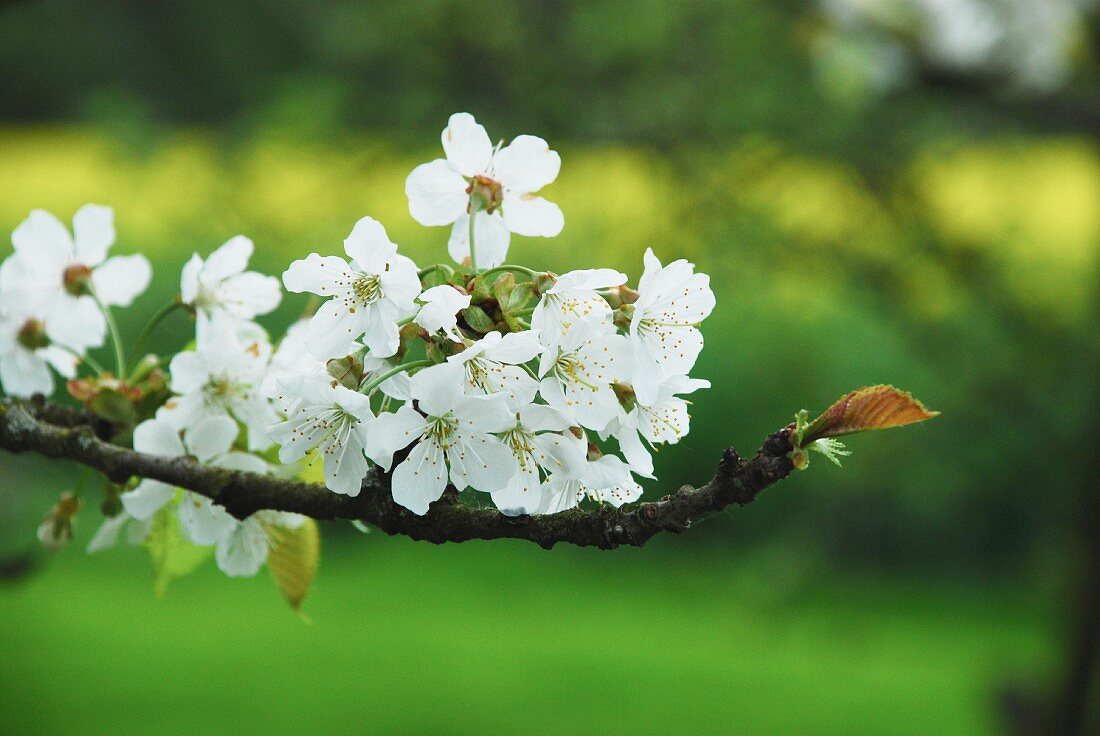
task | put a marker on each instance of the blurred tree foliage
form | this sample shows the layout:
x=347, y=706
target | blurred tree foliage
x=942, y=237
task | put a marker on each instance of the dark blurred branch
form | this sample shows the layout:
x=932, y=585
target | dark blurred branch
x=38, y=426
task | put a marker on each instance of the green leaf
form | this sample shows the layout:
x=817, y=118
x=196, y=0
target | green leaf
x=293, y=559
x=477, y=319
x=519, y=296
x=862, y=410
x=112, y=406
x=172, y=556
x=502, y=287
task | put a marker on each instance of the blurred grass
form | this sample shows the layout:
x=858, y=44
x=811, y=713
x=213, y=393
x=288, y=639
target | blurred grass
x=964, y=279
x=504, y=637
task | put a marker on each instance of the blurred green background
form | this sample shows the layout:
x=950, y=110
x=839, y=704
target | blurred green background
x=904, y=192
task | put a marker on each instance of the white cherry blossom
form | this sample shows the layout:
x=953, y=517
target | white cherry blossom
x=503, y=179
x=222, y=376
x=454, y=440
x=243, y=551
x=106, y=536
x=495, y=365
x=291, y=358
x=439, y=310
x=664, y=421
x=664, y=329
x=396, y=386
x=605, y=480
x=577, y=373
x=542, y=445
x=369, y=295
x=210, y=442
x=332, y=419
x=55, y=274
x=27, y=354
x=574, y=299
x=220, y=287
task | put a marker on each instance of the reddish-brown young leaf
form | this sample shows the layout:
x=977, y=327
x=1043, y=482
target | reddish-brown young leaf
x=865, y=409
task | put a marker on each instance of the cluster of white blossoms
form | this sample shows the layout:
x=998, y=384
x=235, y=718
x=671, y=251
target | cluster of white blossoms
x=540, y=390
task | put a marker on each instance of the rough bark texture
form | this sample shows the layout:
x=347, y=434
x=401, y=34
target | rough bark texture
x=54, y=431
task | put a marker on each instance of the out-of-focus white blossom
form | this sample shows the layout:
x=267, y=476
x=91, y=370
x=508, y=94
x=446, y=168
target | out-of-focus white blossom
x=27, y=354
x=209, y=441
x=223, y=376
x=219, y=287
x=53, y=274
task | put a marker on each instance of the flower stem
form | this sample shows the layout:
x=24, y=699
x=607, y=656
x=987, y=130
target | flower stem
x=116, y=335
x=370, y=387
x=436, y=267
x=508, y=267
x=473, y=248
x=156, y=319
x=89, y=360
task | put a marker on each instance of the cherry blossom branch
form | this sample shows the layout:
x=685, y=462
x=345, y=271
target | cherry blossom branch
x=58, y=432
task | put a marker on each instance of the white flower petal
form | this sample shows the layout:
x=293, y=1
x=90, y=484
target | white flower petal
x=121, y=279
x=587, y=279
x=438, y=388
x=390, y=432
x=64, y=362
x=491, y=237
x=485, y=414
x=147, y=499
x=23, y=374
x=249, y=294
x=467, y=144
x=368, y=246
x=210, y=437
x=540, y=418
x=94, y=233
x=333, y=329
x=516, y=347
x=526, y=215
x=635, y=452
x=401, y=283
x=526, y=164
x=230, y=259
x=42, y=242
x=437, y=193
x=522, y=494
x=203, y=521
x=316, y=274
x=346, y=468
x=242, y=552
x=189, y=279
x=481, y=462
x=189, y=372
x=441, y=305
x=379, y=329
x=107, y=534
x=77, y=323
x=421, y=478
x=157, y=437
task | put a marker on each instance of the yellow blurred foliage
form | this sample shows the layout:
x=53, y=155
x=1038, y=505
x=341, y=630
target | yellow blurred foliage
x=1030, y=207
